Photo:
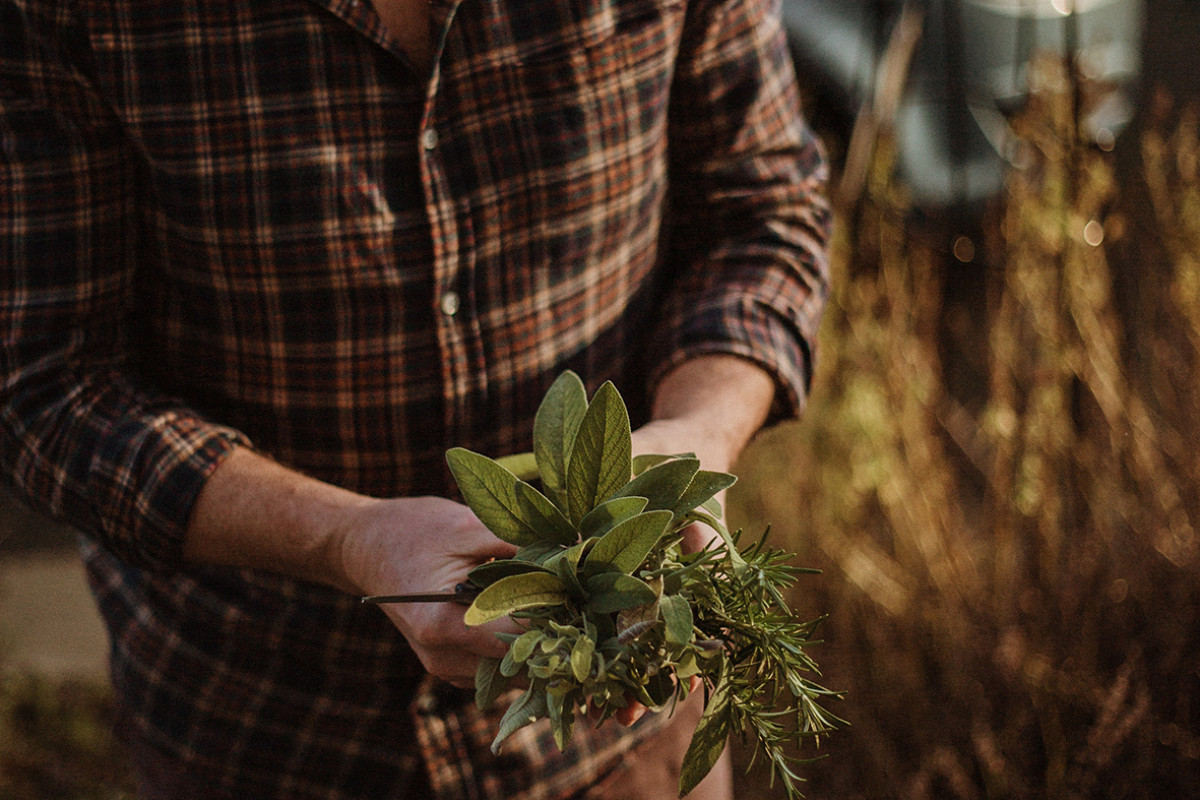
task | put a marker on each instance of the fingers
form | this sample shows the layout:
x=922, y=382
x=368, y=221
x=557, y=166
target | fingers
x=448, y=648
x=630, y=713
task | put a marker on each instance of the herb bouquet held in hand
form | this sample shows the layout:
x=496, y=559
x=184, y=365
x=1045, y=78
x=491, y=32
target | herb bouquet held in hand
x=615, y=609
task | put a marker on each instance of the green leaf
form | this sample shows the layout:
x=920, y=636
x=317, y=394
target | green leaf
x=484, y=575
x=545, y=519
x=508, y=665
x=565, y=564
x=489, y=683
x=704, y=486
x=687, y=667
x=510, y=508
x=711, y=736
x=526, y=709
x=625, y=547
x=662, y=485
x=600, y=461
x=603, y=517
x=516, y=593
x=523, y=647
x=647, y=460
x=554, y=428
x=677, y=614
x=581, y=658
x=562, y=718
x=537, y=552
x=523, y=465
x=616, y=591
x=711, y=506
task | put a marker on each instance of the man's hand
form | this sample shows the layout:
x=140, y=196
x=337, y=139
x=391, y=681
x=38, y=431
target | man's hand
x=256, y=513
x=422, y=545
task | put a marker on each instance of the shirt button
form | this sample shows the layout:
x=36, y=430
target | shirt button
x=429, y=139
x=450, y=303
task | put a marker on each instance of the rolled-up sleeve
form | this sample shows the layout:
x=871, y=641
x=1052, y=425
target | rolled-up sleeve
x=80, y=438
x=750, y=220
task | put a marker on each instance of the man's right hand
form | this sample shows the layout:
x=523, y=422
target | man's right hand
x=258, y=514
x=427, y=544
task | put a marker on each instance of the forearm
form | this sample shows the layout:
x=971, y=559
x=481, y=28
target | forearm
x=256, y=513
x=711, y=405
x=749, y=219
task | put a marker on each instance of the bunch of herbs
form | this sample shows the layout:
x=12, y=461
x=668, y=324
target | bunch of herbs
x=615, y=610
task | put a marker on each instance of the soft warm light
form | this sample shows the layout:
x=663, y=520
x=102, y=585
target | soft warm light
x=1093, y=233
x=1040, y=8
x=964, y=249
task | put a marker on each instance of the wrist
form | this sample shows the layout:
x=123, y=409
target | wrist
x=711, y=405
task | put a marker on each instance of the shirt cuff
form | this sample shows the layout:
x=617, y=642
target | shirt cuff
x=152, y=473
x=774, y=338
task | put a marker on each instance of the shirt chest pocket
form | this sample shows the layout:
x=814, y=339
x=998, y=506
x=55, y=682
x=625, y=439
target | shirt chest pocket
x=559, y=29
x=590, y=77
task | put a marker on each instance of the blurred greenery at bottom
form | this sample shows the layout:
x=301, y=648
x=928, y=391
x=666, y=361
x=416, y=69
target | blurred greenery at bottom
x=56, y=741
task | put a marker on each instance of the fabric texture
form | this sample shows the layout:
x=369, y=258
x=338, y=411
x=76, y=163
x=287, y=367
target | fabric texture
x=256, y=223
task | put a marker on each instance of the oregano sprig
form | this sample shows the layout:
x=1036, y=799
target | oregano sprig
x=614, y=609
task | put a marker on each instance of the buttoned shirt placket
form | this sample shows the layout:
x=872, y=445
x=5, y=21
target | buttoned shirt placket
x=450, y=228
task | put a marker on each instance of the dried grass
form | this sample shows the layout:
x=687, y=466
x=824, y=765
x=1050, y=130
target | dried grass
x=1011, y=570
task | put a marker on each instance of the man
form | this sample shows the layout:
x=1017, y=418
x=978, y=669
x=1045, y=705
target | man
x=265, y=262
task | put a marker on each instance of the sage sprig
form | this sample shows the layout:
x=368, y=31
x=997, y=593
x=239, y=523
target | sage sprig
x=614, y=610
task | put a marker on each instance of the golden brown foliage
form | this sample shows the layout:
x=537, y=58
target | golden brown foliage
x=1011, y=570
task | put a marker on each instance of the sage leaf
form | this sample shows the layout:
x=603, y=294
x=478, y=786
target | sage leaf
x=523, y=647
x=677, y=614
x=516, y=593
x=489, y=683
x=565, y=564
x=643, y=462
x=510, y=508
x=537, y=552
x=581, y=658
x=625, y=547
x=487, y=573
x=704, y=486
x=663, y=485
x=562, y=718
x=554, y=428
x=648, y=613
x=712, y=506
x=523, y=465
x=490, y=491
x=546, y=520
x=687, y=667
x=527, y=708
x=603, y=517
x=508, y=665
x=711, y=736
x=616, y=591
x=601, y=459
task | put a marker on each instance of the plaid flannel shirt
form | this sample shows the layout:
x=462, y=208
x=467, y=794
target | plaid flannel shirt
x=258, y=223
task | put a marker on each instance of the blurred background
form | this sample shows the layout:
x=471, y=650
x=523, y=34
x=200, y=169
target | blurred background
x=997, y=472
